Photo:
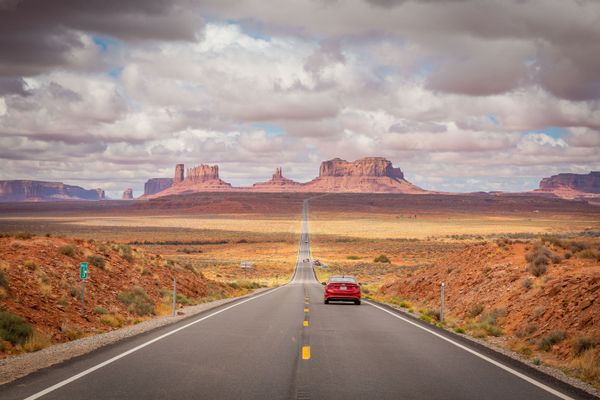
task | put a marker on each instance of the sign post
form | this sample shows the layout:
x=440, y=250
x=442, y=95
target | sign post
x=83, y=275
x=442, y=302
x=174, y=296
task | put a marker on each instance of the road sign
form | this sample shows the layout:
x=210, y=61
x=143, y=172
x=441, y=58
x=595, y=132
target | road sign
x=83, y=270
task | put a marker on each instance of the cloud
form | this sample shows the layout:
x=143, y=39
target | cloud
x=458, y=93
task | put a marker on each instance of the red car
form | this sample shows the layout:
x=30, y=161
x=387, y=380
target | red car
x=342, y=288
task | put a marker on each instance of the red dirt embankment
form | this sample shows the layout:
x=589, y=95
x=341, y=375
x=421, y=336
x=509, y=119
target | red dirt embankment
x=490, y=291
x=42, y=285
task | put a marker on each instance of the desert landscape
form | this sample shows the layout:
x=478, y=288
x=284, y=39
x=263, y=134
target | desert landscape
x=520, y=271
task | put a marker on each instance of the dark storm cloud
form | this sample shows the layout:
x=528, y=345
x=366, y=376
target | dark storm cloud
x=37, y=35
x=12, y=85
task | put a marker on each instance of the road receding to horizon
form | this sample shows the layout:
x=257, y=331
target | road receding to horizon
x=286, y=344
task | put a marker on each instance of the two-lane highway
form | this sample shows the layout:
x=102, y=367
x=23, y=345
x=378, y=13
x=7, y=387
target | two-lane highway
x=285, y=344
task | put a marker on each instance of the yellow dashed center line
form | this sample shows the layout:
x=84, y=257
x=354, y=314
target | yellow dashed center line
x=306, y=352
x=306, y=310
x=305, y=323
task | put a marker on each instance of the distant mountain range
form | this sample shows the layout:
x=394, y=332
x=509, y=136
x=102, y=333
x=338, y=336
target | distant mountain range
x=367, y=175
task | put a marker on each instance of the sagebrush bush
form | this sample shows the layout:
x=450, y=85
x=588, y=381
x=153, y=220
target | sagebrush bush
x=475, y=310
x=583, y=343
x=137, y=301
x=97, y=261
x=23, y=235
x=30, y=265
x=554, y=337
x=67, y=250
x=13, y=328
x=382, y=258
x=3, y=281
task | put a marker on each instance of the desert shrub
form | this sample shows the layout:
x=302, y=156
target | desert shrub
x=475, y=310
x=525, y=330
x=590, y=254
x=75, y=292
x=125, y=252
x=97, y=261
x=111, y=320
x=13, y=328
x=382, y=258
x=459, y=330
x=568, y=255
x=100, y=310
x=582, y=344
x=527, y=283
x=537, y=268
x=23, y=235
x=30, y=265
x=353, y=257
x=137, y=301
x=234, y=285
x=146, y=272
x=36, y=341
x=183, y=299
x=67, y=250
x=556, y=259
x=577, y=246
x=70, y=331
x=554, y=337
x=3, y=281
x=538, y=312
x=491, y=317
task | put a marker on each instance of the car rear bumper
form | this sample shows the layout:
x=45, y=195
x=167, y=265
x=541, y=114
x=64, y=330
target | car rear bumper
x=342, y=296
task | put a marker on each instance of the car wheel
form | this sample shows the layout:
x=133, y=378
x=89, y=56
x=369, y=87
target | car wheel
x=325, y=301
x=357, y=302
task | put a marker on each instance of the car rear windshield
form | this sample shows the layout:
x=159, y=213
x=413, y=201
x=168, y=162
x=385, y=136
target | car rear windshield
x=337, y=279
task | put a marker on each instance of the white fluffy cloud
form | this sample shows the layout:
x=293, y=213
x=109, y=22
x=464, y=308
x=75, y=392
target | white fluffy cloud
x=462, y=95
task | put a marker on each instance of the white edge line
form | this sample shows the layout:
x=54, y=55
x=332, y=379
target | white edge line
x=141, y=346
x=491, y=361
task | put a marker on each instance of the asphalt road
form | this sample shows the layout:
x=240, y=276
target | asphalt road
x=286, y=344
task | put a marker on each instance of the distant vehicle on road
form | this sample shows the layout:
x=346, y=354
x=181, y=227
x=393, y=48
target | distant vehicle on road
x=341, y=288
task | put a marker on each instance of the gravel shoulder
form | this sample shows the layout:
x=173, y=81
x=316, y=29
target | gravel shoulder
x=16, y=367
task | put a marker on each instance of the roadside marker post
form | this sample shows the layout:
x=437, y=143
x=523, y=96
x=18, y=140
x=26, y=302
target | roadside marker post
x=83, y=275
x=442, y=302
x=174, y=296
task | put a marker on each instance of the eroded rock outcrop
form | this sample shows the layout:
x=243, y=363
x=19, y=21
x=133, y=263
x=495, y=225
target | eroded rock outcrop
x=25, y=190
x=127, y=194
x=202, y=178
x=586, y=183
x=367, y=175
x=277, y=183
x=155, y=185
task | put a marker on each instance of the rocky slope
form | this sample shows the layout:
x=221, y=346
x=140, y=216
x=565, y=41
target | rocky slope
x=25, y=190
x=572, y=185
x=490, y=291
x=39, y=282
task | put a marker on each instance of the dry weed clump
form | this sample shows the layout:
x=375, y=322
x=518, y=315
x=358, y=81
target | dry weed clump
x=547, y=342
x=539, y=258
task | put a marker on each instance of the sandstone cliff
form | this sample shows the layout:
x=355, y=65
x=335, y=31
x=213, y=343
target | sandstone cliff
x=586, y=183
x=203, y=178
x=24, y=190
x=367, y=175
x=155, y=185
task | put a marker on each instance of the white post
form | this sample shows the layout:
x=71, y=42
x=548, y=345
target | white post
x=174, y=296
x=442, y=303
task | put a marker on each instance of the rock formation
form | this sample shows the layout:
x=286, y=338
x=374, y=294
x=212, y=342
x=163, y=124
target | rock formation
x=370, y=166
x=178, y=174
x=367, y=175
x=202, y=178
x=155, y=185
x=24, y=190
x=127, y=194
x=277, y=183
x=586, y=183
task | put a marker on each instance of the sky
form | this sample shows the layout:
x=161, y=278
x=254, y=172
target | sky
x=462, y=95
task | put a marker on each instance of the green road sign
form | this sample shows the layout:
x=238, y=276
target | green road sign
x=83, y=270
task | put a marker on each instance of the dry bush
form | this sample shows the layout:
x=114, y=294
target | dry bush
x=13, y=328
x=554, y=337
x=36, y=341
x=68, y=250
x=583, y=343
